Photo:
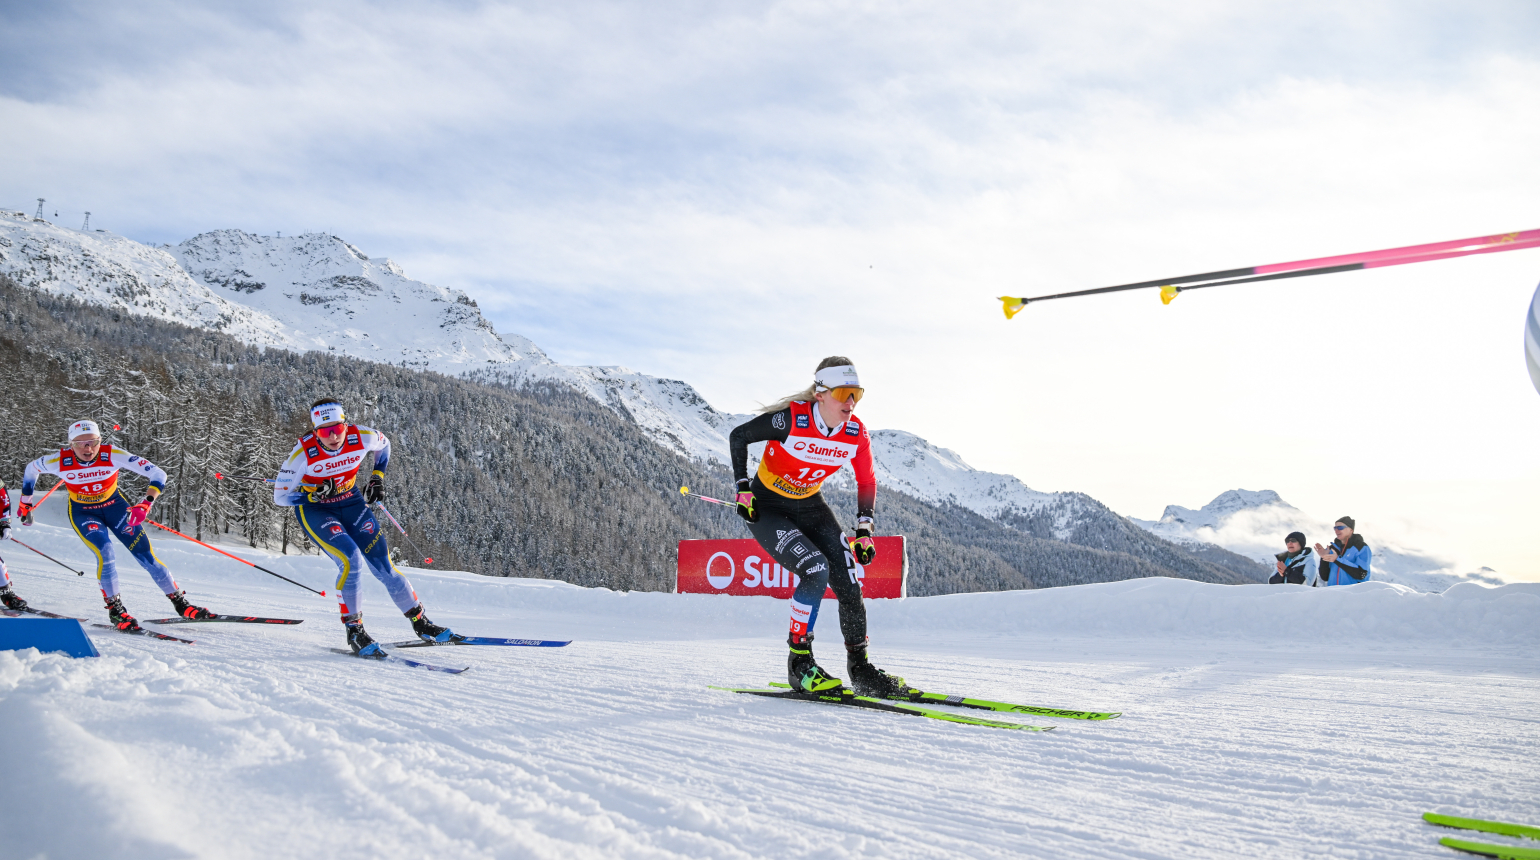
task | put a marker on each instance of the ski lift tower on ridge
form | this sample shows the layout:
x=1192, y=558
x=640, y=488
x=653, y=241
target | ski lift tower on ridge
x=86, y=227
x=39, y=215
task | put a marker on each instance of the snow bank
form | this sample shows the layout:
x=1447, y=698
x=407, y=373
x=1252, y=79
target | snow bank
x=1467, y=614
x=1159, y=608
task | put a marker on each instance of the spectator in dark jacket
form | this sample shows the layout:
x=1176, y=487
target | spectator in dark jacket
x=1294, y=565
x=1346, y=561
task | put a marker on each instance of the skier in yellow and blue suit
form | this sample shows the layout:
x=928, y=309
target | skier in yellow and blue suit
x=320, y=481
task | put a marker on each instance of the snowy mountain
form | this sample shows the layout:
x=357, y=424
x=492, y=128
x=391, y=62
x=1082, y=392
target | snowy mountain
x=328, y=295
x=104, y=269
x=316, y=292
x=1254, y=524
x=671, y=411
x=938, y=475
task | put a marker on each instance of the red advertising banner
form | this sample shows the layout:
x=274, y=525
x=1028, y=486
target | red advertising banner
x=743, y=567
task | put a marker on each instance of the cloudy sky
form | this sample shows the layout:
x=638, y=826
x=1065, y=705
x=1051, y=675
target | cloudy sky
x=725, y=193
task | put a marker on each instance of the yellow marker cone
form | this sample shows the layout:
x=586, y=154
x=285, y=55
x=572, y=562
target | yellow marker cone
x=1167, y=293
x=1012, y=306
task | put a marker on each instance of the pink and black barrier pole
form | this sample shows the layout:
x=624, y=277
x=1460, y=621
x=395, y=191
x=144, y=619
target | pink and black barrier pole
x=1170, y=287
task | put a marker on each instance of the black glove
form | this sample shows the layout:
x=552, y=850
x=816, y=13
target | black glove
x=322, y=491
x=863, y=546
x=5, y=527
x=746, y=502
x=374, y=491
x=25, y=510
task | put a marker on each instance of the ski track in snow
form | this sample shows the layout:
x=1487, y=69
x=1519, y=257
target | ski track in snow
x=258, y=742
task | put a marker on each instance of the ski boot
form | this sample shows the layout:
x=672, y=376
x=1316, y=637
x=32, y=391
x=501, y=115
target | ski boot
x=868, y=680
x=427, y=631
x=803, y=672
x=12, y=600
x=120, y=617
x=187, y=610
x=359, y=640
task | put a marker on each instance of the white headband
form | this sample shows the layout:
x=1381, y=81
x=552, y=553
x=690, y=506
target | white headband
x=327, y=413
x=83, y=428
x=836, y=377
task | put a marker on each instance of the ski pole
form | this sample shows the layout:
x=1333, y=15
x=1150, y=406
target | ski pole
x=236, y=557
x=685, y=491
x=218, y=476
x=56, y=485
x=1300, y=268
x=33, y=507
x=381, y=506
x=35, y=504
x=52, y=559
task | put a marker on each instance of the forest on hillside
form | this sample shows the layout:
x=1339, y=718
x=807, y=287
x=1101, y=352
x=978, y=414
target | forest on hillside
x=530, y=481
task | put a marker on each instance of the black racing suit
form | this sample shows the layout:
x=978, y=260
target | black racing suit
x=802, y=535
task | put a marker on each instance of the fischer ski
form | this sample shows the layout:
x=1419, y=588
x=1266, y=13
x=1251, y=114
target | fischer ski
x=1500, y=827
x=986, y=705
x=481, y=640
x=847, y=698
x=1502, y=852
x=386, y=657
x=234, y=619
x=150, y=633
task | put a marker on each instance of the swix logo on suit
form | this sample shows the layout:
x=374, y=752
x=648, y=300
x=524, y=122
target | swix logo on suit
x=798, y=467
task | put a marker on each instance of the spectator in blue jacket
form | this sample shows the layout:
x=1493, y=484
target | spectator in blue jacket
x=1346, y=561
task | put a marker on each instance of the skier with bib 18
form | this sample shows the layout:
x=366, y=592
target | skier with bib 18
x=89, y=469
x=808, y=437
x=319, y=480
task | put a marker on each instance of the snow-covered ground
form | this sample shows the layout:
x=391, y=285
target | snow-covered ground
x=1258, y=721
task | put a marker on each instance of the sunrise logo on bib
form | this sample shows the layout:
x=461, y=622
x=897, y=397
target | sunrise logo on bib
x=798, y=467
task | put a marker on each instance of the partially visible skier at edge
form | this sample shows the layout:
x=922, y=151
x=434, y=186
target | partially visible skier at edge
x=8, y=596
x=809, y=436
x=319, y=480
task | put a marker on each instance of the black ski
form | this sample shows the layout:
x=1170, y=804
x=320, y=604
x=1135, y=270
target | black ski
x=847, y=698
x=387, y=657
x=233, y=619
x=482, y=640
x=16, y=613
x=142, y=632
